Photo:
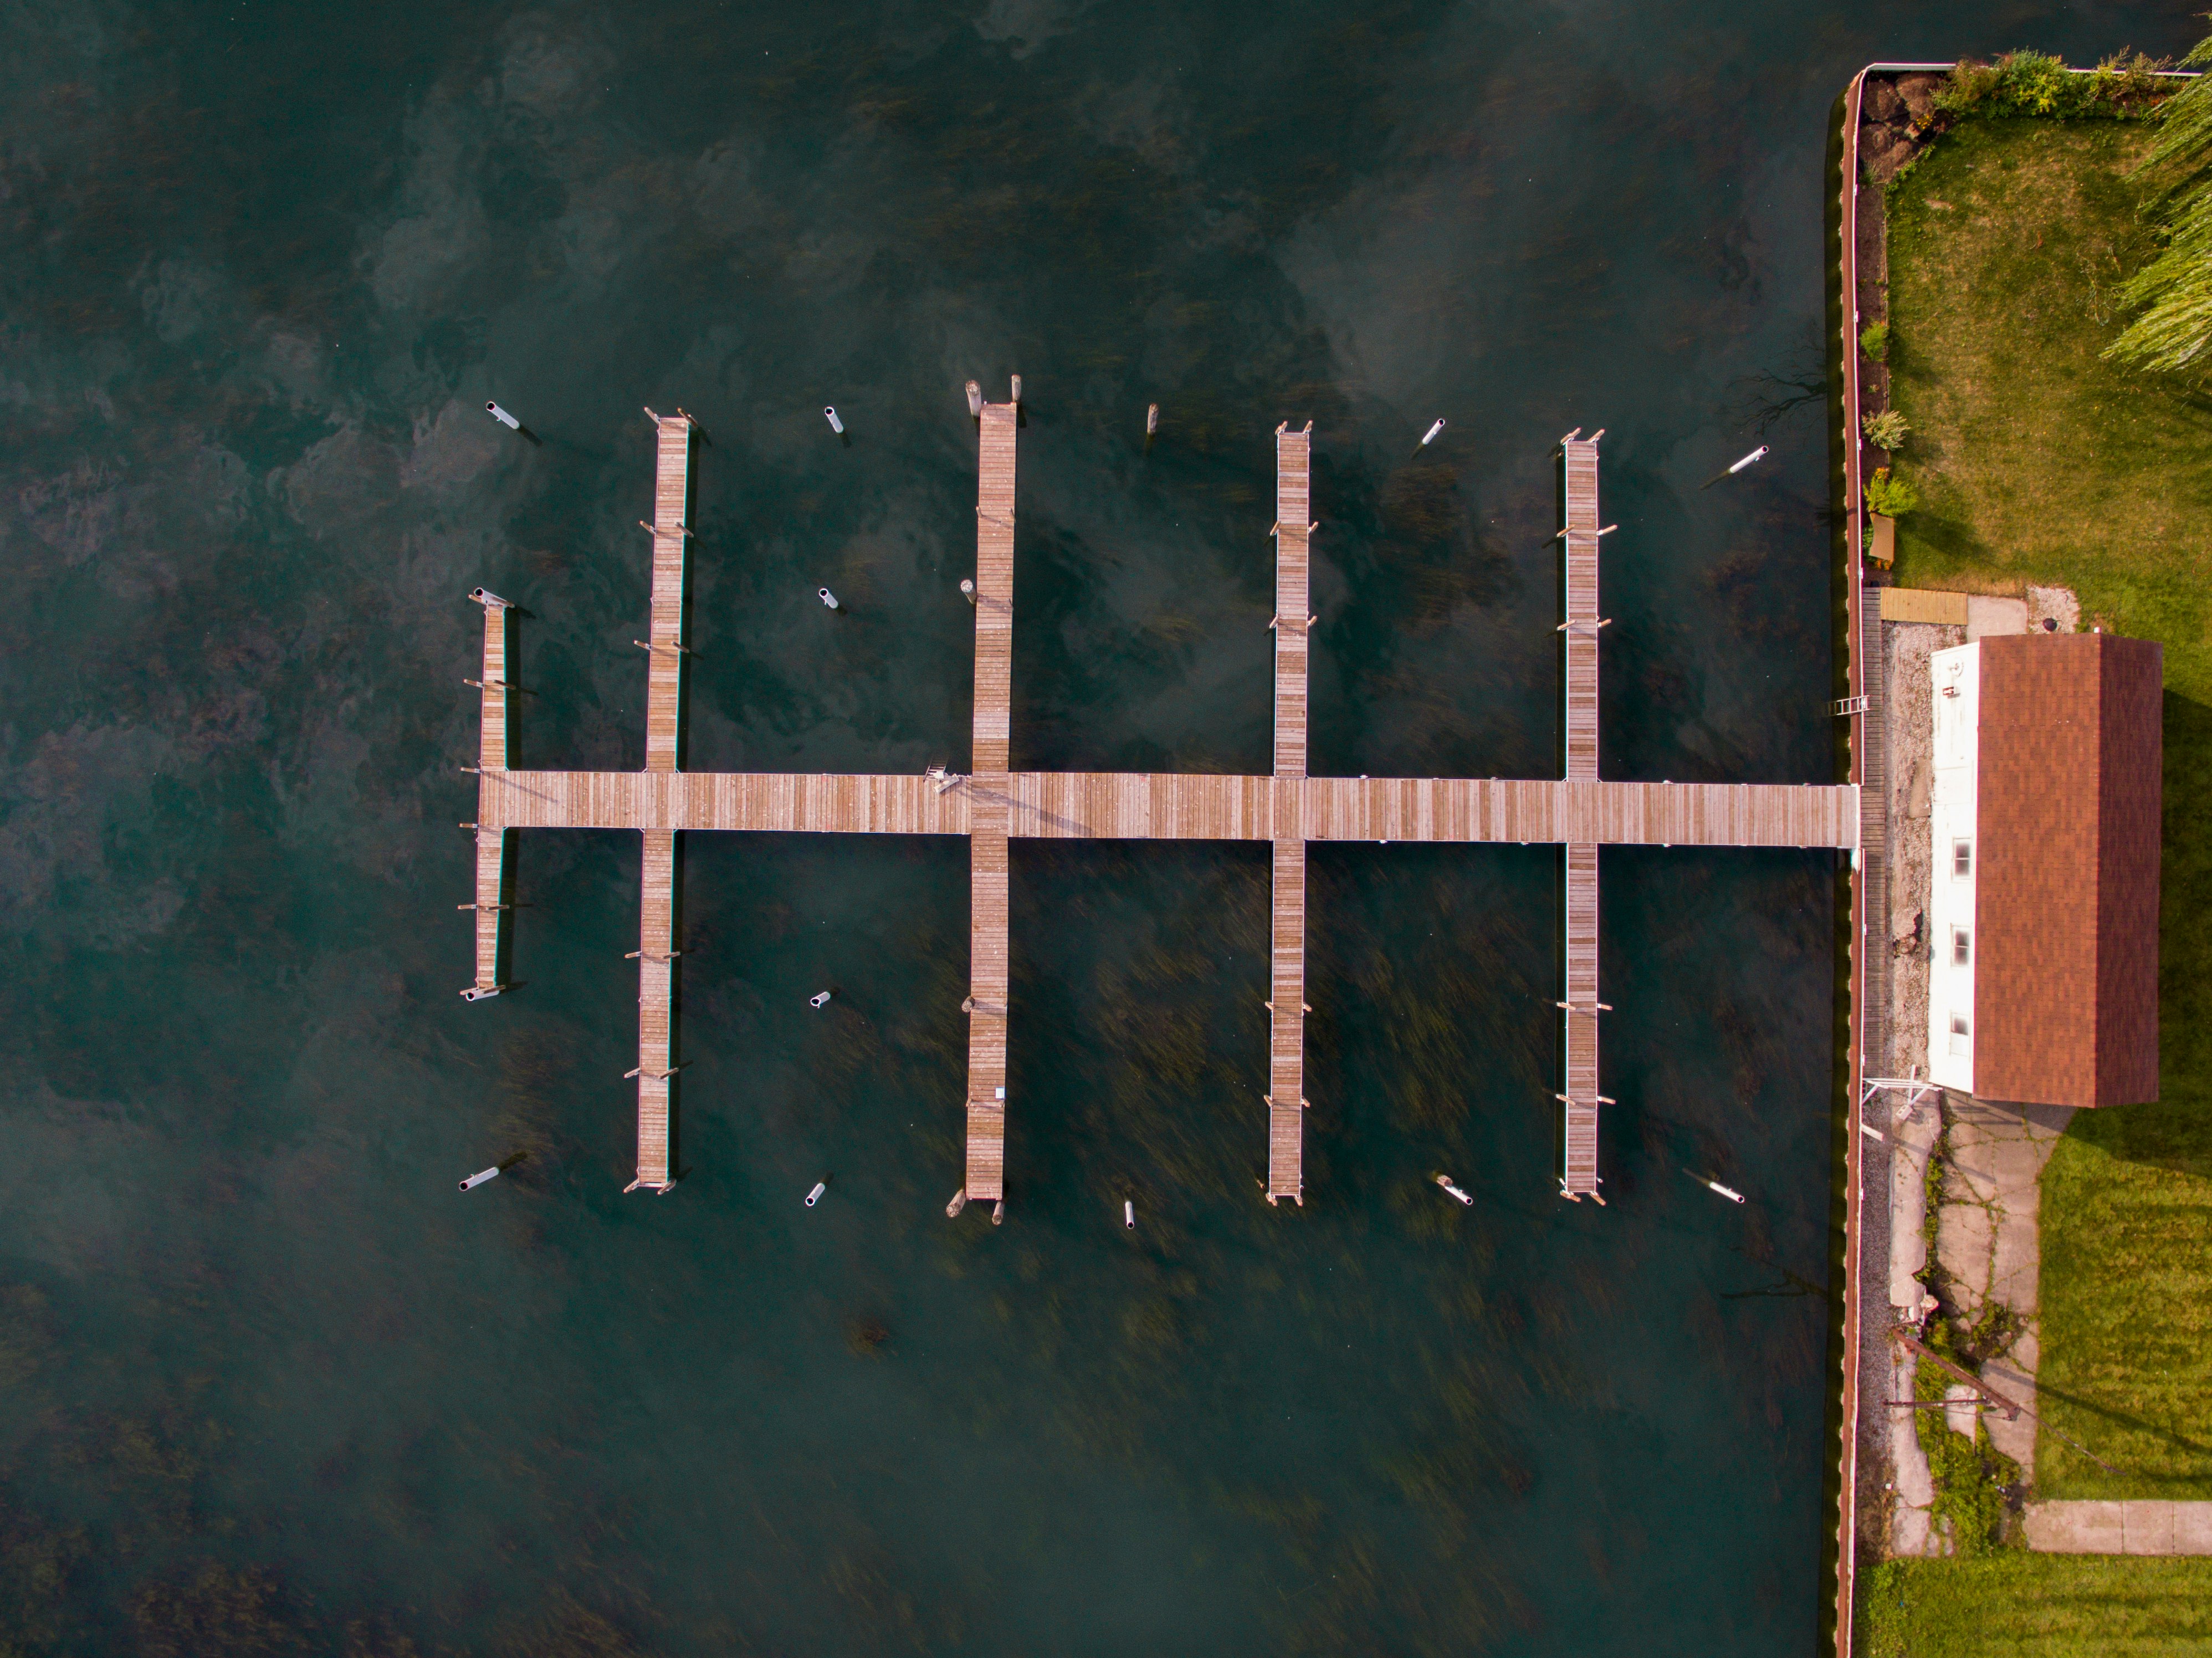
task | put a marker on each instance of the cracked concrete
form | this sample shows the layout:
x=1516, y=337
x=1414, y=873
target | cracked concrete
x=1986, y=1242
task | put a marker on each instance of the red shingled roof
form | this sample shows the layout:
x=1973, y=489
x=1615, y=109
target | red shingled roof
x=2066, y=870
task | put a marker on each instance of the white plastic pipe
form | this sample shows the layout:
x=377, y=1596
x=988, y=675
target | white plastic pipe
x=1731, y=1195
x=1430, y=436
x=1759, y=453
x=479, y=1178
x=835, y=425
x=1129, y=1213
x=826, y=597
x=814, y=1196
x=502, y=417
x=819, y=999
x=974, y=400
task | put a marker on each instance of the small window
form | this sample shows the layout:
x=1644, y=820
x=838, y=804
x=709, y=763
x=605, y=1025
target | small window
x=1962, y=859
x=1959, y=1036
x=1962, y=948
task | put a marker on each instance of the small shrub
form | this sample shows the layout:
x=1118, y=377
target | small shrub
x=1874, y=340
x=1887, y=430
x=1891, y=497
x=2036, y=83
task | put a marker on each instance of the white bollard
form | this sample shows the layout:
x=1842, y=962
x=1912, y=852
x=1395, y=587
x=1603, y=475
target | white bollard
x=479, y=1178
x=1430, y=436
x=502, y=417
x=821, y=999
x=835, y=425
x=814, y=1196
x=826, y=597
x=1759, y=453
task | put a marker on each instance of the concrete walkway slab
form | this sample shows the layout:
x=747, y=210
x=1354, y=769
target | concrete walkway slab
x=2147, y=1527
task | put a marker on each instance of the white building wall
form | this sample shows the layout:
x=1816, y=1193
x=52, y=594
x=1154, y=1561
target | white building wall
x=1954, y=863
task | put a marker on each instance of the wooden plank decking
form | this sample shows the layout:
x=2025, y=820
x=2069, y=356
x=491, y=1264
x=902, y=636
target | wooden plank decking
x=491, y=760
x=1286, y=950
x=1578, y=1175
x=656, y=943
x=1171, y=806
x=490, y=913
x=1582, y=619
x=672, y=535
x=988, y=810
x=664, y=713
x=1294, y=529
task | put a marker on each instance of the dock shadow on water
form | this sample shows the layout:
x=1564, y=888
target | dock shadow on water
x=270, y=1384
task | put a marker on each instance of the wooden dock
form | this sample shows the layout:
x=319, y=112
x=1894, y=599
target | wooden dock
x=993, y=805
x=1286, y=954
x=1184, y=806
x=987, y=808
x=672, y=534
x=1578, y=1177
x=664, y=713
x=656, y=986
x=489, y=903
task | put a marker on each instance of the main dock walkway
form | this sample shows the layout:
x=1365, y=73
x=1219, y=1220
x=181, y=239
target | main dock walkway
x=995, y=805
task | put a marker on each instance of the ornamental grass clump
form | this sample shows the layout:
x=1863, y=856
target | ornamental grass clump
x=1887, y=430
x=1874, y=340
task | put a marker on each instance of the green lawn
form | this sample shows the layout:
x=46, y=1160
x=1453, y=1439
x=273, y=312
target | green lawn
x=2036, y=461
x=2017, y=1604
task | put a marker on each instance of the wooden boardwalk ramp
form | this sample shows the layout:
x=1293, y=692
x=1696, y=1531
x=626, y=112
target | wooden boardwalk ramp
x=1286, y=1019
x=989, y=796
x=1578, y=1177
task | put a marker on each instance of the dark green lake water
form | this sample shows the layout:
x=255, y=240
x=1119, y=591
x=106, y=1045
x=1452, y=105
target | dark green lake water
x=268, y=1384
